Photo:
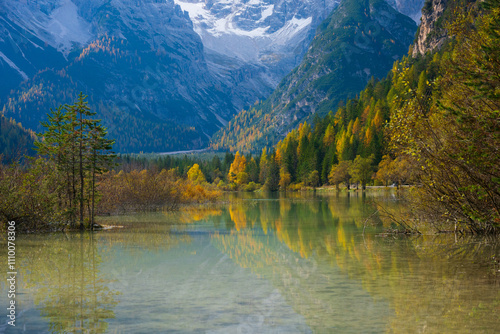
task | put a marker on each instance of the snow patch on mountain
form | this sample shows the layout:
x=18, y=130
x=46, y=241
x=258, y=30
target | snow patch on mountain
x=268, y=11
x=13, y=66
x=57, y=23
x=247, y=30
x=67, y=27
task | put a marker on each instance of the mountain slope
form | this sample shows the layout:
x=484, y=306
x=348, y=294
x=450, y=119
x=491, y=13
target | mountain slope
x=22, y=54
x=144, y=70
x=15, y=141
x=252, y=45
x=360, y=39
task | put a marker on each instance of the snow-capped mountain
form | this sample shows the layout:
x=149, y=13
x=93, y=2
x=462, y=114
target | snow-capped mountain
x=56, y=23
x=255, y=30
x=165, y=74
x=140, y=62
x=252, y=44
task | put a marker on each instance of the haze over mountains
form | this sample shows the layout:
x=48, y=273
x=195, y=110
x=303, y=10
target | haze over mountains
x=164, y=75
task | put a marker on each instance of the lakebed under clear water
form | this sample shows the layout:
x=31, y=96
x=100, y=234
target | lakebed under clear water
x=253, y=264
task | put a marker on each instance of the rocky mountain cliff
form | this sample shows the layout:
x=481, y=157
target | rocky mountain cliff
x=252, y=45
x=141, y=63
x=411, y=8
x=430, y=36
x=359, y=40
x=432, y=32
x=163, y=74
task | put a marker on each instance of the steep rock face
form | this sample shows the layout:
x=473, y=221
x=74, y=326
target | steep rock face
x=430, y=36
x=24, y=51
x=142, y=65
x=251, y=45
x=360, y=39
x=57, y=23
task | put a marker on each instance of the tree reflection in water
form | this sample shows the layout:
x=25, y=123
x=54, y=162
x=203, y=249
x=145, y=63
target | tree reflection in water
x=64, y=278
x=433, y=283
x=316, y=253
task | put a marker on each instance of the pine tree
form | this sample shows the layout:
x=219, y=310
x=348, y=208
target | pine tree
x=252, y=170
x=82, y=111
x=78, y=148
x=273, y=178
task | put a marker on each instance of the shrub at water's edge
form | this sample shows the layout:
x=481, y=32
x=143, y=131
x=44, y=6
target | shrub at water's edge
x=69, y=183
x=147, y=190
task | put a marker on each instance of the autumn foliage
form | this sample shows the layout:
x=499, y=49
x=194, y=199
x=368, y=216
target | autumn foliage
x=147, y=190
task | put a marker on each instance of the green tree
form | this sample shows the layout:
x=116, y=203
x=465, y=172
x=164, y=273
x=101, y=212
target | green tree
x=77, y=146
x=82, y=111
x=273, y=178
x=252, y=170
x=362, y=170
x=54, y=145
x=215, y=170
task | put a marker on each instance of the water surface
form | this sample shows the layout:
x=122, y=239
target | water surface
x=287, y=264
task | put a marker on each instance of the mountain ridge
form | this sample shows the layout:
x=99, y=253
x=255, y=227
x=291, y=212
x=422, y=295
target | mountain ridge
x=367, y=37
x=151, y=84
x=148, y=72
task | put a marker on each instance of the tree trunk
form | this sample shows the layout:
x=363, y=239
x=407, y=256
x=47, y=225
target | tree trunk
x=80, y=153
x=73, y=186
x=93, y=195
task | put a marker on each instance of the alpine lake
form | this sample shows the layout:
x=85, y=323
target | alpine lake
x=283, y=263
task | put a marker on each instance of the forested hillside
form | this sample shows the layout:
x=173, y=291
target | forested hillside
x=15, y=141
x=433, y=121
x=360, y=40
x=141, y=64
